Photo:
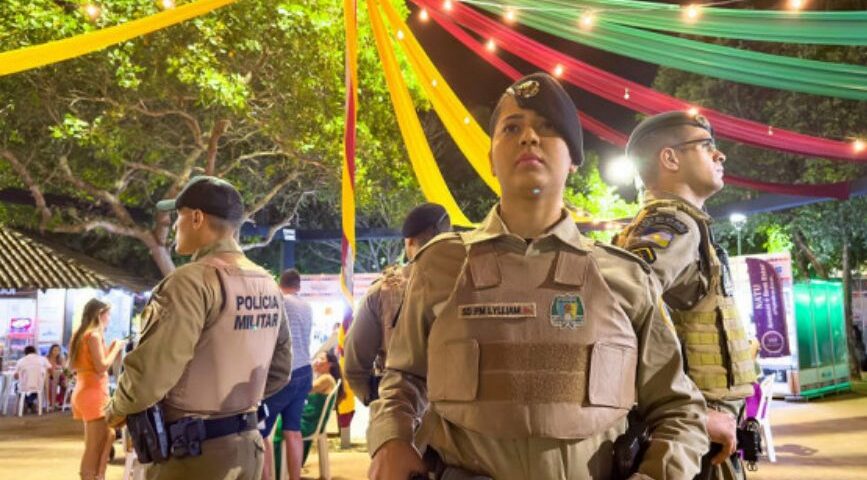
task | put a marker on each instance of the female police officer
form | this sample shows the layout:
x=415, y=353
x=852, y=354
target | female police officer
x=528, y=341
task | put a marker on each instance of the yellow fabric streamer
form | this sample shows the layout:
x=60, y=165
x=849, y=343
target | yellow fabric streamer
x=60, y=50
x=463, y=128
x=427, y=172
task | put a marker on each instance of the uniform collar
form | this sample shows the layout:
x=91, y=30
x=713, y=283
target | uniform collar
x=493, y=227
x=220, y=246
x=666, y=196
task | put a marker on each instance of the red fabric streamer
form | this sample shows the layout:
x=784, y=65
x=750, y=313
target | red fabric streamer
x=641, y=98
x=839, y=190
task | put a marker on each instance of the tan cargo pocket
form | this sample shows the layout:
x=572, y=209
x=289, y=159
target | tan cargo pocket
x=453, y=371
x=612, y=375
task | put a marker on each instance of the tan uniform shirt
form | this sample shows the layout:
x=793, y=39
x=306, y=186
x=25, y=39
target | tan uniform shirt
x=364, y=341
x=666, y=398
x=189, y=297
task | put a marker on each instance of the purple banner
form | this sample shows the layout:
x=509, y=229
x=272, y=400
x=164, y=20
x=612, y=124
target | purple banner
x=769, y=312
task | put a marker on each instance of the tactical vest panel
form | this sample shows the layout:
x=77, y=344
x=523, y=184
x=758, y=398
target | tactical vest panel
x=229, y=368
x=391, y=291
x=531, y=346
x=717, y=349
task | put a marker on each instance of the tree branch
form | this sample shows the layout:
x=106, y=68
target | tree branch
x=113, y=202
x=217, y=131
x=110, y=227
x=151, y=169
x=249, y=156
x=273, y=229
x=259, y=205
x=35, y=190
x=801, y=242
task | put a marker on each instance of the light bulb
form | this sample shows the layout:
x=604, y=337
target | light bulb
x=423, y=16
x=558, y=70
x=491, y=45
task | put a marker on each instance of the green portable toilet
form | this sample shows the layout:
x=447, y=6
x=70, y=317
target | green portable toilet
x=823, y=356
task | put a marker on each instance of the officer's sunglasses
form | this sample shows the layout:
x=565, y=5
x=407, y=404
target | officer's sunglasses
x=708, y=144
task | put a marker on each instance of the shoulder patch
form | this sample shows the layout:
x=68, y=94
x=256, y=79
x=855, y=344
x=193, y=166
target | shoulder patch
x=625, y=254
x=646, y=253
x=660, y=221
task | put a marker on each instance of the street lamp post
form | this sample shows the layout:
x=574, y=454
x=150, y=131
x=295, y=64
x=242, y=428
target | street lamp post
x=738, y=221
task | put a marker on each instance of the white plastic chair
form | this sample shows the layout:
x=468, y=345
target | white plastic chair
x=763, y=416
x=132, y=470
x=38, y=389
x=320, y=436
x=67, y=396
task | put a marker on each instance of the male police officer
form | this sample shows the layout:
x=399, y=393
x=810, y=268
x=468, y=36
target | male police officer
x=681, y=168
x=529, y=342
x=214, y=340
x=368, y=338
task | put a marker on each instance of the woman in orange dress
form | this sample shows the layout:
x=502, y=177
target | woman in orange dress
x=89, y=358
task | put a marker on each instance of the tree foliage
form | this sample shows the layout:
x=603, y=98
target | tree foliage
x=252, y=92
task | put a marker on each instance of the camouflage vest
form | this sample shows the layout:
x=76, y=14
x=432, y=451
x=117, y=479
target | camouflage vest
x=717, y=351
x=531, y=346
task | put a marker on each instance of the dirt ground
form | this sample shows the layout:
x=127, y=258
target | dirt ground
x=816, y=440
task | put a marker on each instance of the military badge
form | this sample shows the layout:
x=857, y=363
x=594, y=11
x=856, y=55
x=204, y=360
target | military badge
x=567, y=311
x=528, y=89
x=660, y=238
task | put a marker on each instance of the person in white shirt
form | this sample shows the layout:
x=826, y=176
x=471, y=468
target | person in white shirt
x=30, y=372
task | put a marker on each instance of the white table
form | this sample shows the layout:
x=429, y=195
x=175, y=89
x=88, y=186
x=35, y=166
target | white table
x=6, y=388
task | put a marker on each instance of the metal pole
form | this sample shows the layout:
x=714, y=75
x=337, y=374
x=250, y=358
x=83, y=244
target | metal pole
x=739, y=241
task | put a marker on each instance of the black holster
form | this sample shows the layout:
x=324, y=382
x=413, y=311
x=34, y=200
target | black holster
x=629, y=448
x=147, y=430
x=750, y=442
x=186, y=436
x=440, y=471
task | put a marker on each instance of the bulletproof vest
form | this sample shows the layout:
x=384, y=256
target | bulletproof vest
x=716, y=348
x=390, y=300
x=531, y=346
x=230, y=363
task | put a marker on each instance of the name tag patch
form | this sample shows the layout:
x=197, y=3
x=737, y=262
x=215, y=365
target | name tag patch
x=567, y=311
x=501, y=310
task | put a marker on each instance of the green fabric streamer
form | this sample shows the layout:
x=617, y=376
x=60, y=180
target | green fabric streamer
x=744, y=66
x=823, y=28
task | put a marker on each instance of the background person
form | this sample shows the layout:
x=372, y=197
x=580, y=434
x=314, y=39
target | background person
x=288, y=403
x=90, y=360
x=367, y=340
x=31, y=371
x=57, y=377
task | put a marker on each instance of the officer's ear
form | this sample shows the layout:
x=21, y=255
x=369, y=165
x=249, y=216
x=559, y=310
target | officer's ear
x=491, y=159
x=197, y=219
x=668, y=160
x=572, y=168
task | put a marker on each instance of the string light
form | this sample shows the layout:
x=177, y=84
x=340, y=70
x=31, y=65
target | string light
x=423, y=16
x=433, y=83
x=859, y=146
x=167, y=4
x=400, y=34
x=796, y=4
x=692, y=13
x=92, y=11
x=466, y=120
x=558, y=70
x=587, y=20
x=447, y=5
x=509, y=16
x=491, y=45
x=693, y=111
x=626, y=94
x=770, y=130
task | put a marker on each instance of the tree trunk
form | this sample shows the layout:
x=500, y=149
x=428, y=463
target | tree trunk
x=160, y=254
x=854, y=361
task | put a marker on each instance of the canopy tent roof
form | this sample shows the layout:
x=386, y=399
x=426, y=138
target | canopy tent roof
x=25, y=264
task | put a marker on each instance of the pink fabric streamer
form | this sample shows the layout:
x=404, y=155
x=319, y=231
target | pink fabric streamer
x=641, y=98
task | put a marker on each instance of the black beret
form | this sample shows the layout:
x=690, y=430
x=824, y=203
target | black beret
x=425, y=216
x=665, y=120
x=211, y=195
x=543, y=94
